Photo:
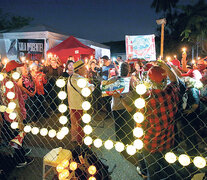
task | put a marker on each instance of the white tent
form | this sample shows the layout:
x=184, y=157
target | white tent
x=40, y=39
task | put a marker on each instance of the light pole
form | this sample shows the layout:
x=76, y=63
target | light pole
x=162, y=22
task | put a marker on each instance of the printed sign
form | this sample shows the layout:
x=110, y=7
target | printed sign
x=121, y=86
x=32, y=49
x=140, y=47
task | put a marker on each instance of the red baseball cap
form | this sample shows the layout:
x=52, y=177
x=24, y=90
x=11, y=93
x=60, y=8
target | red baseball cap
x=157, y=74
x=11, y=65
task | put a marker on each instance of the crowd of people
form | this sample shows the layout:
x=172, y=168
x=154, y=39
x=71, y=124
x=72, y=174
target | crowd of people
x=175, y=110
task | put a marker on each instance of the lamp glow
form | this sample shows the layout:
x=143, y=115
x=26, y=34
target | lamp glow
x=65, y=130
x=92, y=170
x=3, y=109
x=62, y=108
x=60, y=83
x=86, y=92
x=65, y=163
x=52, y=133
x=62, y=95
x=97, y=143
x=87, y=129
x=86, y=105
x=138, y=144
x=138, y=117
x=73, y=166
x=88, y=140
x=141, y=89
x=59, y=168
x=1, y=77
x=131, y=150
x=138, y=132
x=8, y=110
x=64, y=174
x=10, y=95
x=12, y=105
x=43, y=131
x=86, y=118
x=12, y=115
x=119, y=146
x=92, y=178
x=60, y=135
x=184, y=160
x=108, y=144
x=27, y=128
x=82, y=83
x=35, y=130
x=139, y=103
x=9, y=84
x=199, y=162
x=170, y=157
x=14, y=125
x=63, y=120
x=15, y=75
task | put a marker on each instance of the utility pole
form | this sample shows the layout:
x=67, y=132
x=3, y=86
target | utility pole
x=161, y=22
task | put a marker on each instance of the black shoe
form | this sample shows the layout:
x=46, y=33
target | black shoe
x=27, y=162
x=27, y=151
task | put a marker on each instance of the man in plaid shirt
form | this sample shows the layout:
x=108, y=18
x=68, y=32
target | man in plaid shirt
x=159, y=121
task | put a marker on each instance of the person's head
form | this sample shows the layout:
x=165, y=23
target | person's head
x=119, y=58
x=25, y=70
x=33, y=68
x=80, y=68
x=124, y=69
x=106, y=60
x=69, y=65
x=54, y=63
x=158, y=77
x=92, y=65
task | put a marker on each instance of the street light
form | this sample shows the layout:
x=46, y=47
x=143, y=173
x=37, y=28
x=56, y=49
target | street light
x=161, y=22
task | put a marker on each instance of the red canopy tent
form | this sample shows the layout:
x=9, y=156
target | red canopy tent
x=71, y=47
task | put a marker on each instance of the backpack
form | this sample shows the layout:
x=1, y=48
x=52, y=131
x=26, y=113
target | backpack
x=85, y=156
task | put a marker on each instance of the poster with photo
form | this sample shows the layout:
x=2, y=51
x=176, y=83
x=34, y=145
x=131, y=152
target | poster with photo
x=121, y=86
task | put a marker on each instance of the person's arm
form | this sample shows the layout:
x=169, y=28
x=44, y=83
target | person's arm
x=19, y=83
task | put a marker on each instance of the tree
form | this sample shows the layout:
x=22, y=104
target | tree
x=164, y=5
x=9, y=22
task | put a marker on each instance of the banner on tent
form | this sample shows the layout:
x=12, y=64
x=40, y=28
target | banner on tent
x=141, y=47
x=32, y=49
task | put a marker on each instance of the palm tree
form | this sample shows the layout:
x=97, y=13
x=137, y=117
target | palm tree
x=164, y=5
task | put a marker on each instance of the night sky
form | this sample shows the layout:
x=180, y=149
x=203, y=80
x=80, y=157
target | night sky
x=97, y=20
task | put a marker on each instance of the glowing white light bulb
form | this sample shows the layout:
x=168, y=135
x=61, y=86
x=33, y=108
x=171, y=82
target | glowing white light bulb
x=141, y=89
x=27, y=128
x=12, y=115
x=87, y=129
x=138, y=117
x=15, y=75
x=9, y=84
x=86, y=118
x=35, y=130
x=170, y=157
x=119, y=146
x=97, y=143
x=8, y=110
x=1, y=77
x=199, y=162
x=10, y=95
x=82, y=83
x=138, y=144
x=138, y=132
x=86, y=105
x=52, y=133
x=184, y=160
x=62, y=95
x=139, y=103
x=43, y=131
x=65, y=130
x=88, y=140
x=60, y=135
x=63, y=120
x=108, y=144
x=62, y=108
x=86, y=92
x=60, y=83
x=14, y=125
x=12, y=105
x=131, y=150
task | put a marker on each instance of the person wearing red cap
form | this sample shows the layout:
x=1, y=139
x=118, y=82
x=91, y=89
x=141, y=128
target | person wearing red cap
x=8, y=133
x=161, y=108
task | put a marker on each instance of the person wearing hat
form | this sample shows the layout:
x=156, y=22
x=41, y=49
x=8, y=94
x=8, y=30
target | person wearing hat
x=75, y=100
x=7, y=132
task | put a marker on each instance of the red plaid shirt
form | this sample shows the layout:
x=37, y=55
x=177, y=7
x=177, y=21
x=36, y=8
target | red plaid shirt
x=159, y=121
